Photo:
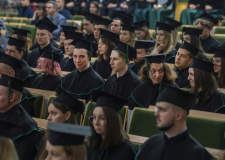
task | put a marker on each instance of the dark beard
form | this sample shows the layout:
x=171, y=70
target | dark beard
x=166, y=128
x=139, y=61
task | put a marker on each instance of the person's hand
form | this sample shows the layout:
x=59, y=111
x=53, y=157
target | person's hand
x=208, y=7
x=192, y=6
x=151, y=1
x=83, y=4
x=111, y=5
x=100, y=5
x=34, y=16
x=155, y=6
x=34, y=4
x=124, y=5
x=159, y=48
x=70, y=4
x=160, y=6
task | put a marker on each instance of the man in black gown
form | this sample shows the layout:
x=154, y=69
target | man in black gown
x=143, y=48
x=16, y=48
x=8, y=66
x=175, y=143
x=124, y=81
x=83, y=80
x=44, y=33
x=207, y=22
x=184, y=58
x=67, y=63
x=15, y=123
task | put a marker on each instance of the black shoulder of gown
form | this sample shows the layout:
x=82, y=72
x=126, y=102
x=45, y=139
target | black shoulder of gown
x=182, y=77
x=122, y=86
x=47, y=82
x=170, y=57
x=17, y=125
x=183, y=146
x=177, y=46
x=103, y=68
x=67, y=64
x=151, y=93
x=81, y=84
x=135, y=68
x=215, y=104
x=209, y=43
x=124, y=151
x=27, y=102
x=26, y=73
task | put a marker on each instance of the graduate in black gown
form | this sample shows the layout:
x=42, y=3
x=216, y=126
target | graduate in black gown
x=110, y=142
x=48, y=64
x=15, y=122
x=8, y=66
x=67, y=63
x=207, y=22
x=44, y=33
x=219, y=67
x=184, y=58
x=16, y=48
x=164, y=42
x=204, y=86
x=143, y=47
x=152, y=75
x=175, y=36
x=105, y=46
x=83, y=80
x=176, y=142
x=124, y=81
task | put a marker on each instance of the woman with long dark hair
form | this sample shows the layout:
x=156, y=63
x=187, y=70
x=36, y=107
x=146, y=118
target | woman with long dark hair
x=39, y=14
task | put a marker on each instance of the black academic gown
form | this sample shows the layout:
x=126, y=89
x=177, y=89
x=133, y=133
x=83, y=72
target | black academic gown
x=182, y=79
x=209, y=43
x=26, y=73
x=170, y=57
x=124, y=151
x=122, y=86
x=215, y=104
x=27, y=102
x=47, y=82
x=36, y=53
x=67, y=64
x=151, y=93
x=35, y=45
x=178, y=45
x=82, y=84
x=180, y=147
x=103, y=68
x=91, y=38
x=135, y=68
x=17, y=125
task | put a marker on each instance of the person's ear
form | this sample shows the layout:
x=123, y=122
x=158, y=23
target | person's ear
x=12, y=97
x=68, y=115
x=21, y=54
x=11, y=73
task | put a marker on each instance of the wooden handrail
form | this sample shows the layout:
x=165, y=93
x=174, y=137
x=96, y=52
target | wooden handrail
x=47, y=94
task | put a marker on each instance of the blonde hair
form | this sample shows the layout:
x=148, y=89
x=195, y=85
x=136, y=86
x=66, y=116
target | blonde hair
x=205, y=23
x=168, y=43
x=169, y=74
x=132, y=42
x=147, y=34
x=7, y=149
x=76, y=152
x=175, y=37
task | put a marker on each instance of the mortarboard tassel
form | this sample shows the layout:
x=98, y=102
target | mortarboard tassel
x=91, y=52
x=127, y=54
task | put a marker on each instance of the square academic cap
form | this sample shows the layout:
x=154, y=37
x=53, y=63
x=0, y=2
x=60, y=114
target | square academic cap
x=175, y=96
x=129, y=51
x=155, y=58
x=140, y=24
x=164, y=27
x=69, y=100
x=192, y=31
x=11, y=61
x=46, y=24
x=69, y=28
x=104, y=99
x=173, y=22
x=83, y=44
x=16, y=42
x=203, y=65
x=90, y=17
x=143, y=44
x=51, y=55
x=72, y=34
x=21, y=32
x=109, y=35
x=11, y=83
x=189, y=47
x=219, y=53
x=122, y=16
x=102, y=21
x=128, y=28
x=67, y=134
x=209, y=18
